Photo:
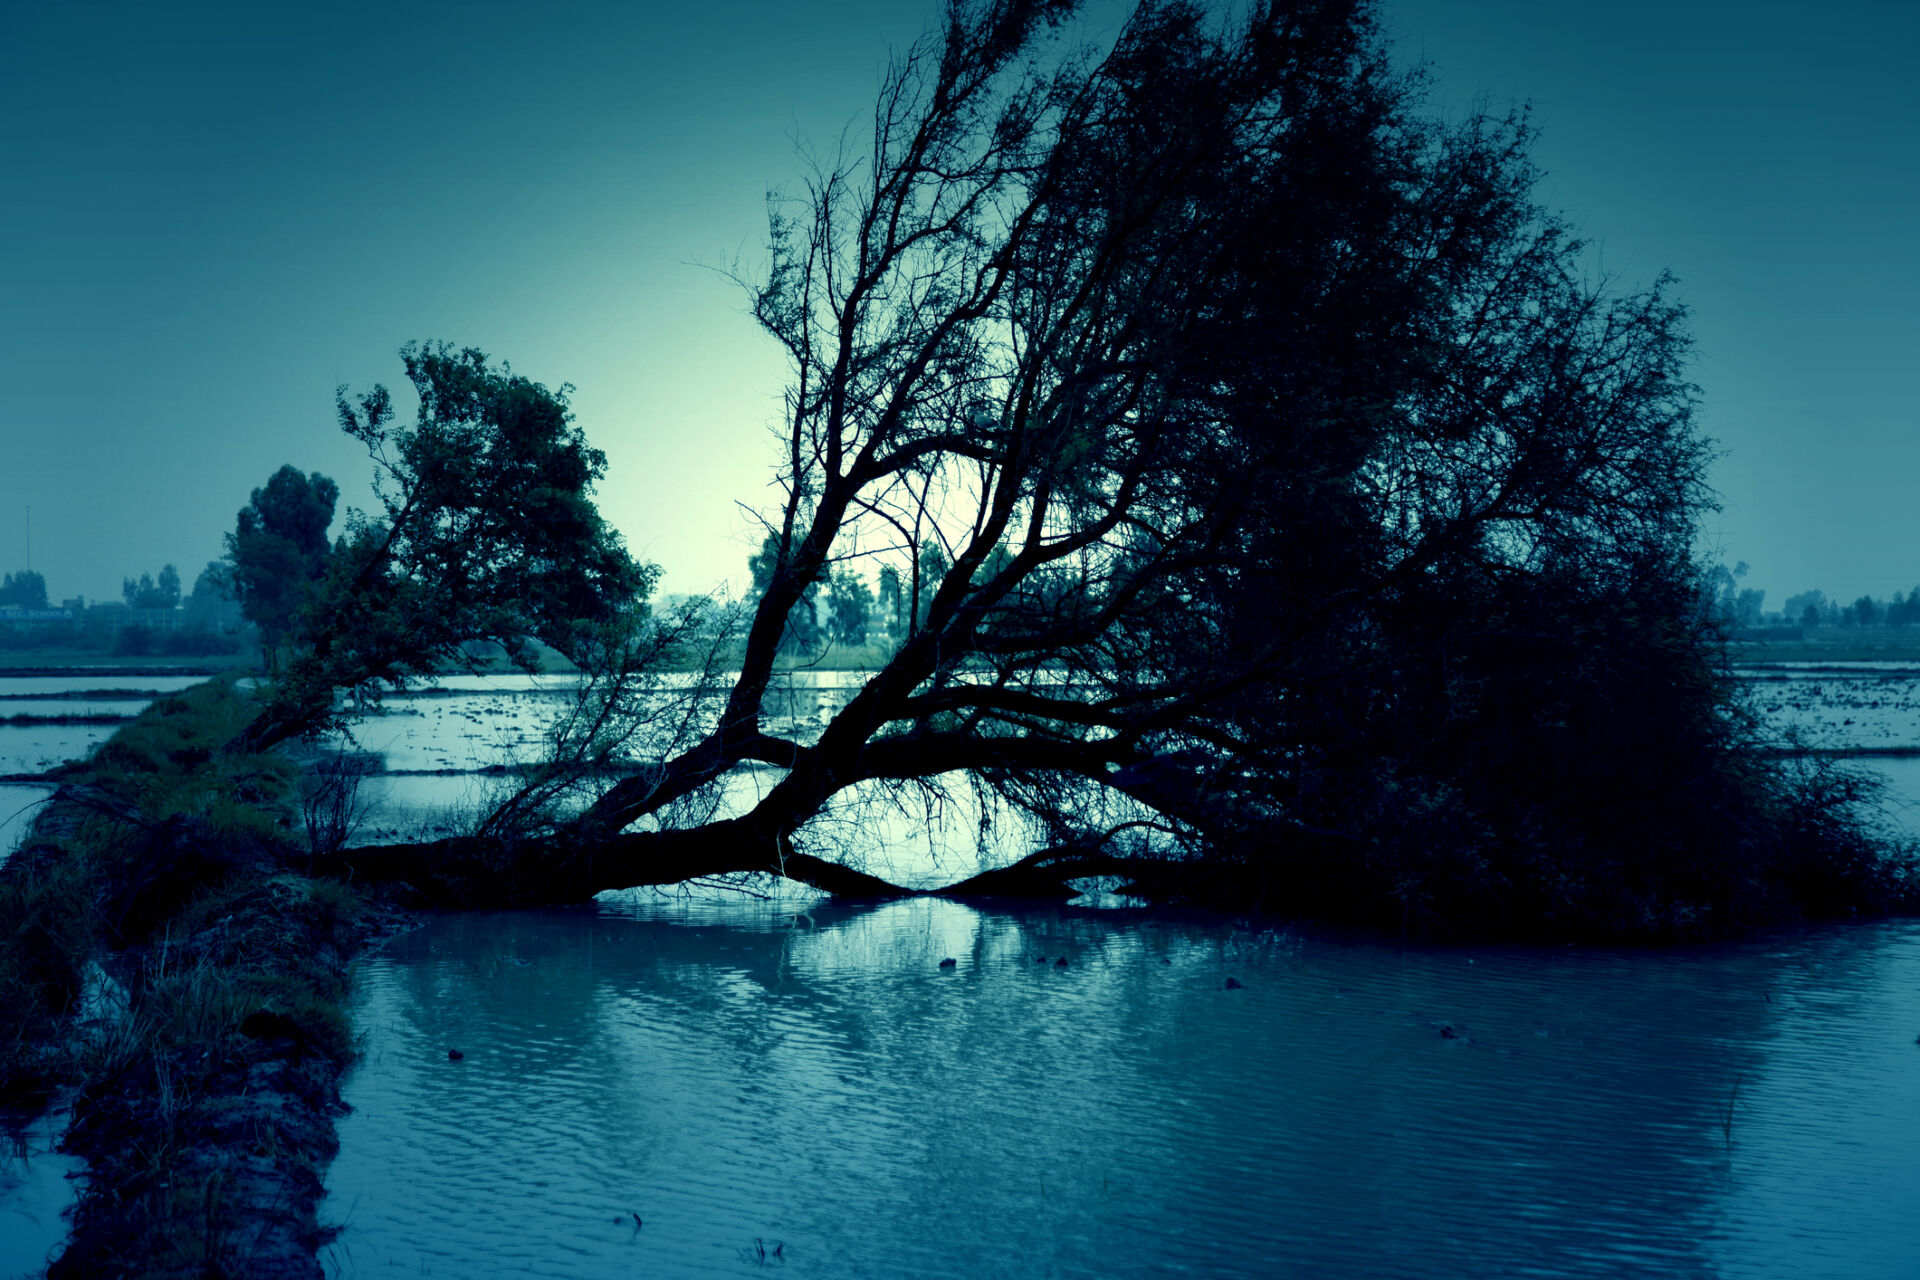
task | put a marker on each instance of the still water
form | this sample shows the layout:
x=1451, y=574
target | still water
x=752, y=1078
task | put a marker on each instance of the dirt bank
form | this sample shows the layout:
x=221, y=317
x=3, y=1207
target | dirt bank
x=163, y=962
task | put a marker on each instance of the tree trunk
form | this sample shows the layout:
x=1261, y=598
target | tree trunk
x=466, y=872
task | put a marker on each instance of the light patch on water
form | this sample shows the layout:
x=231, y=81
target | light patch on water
x=36, y=748
x=35, y=1187
x=749, y=1075
x=19, y=803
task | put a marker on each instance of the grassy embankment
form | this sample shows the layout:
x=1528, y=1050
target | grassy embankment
x=163, y=964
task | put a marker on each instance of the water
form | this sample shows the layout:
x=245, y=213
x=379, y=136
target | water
x=804, y=1078
x=34, y=1189
x=1851, y=705
x=92, y=680
x=738, y=1073
x=18, y=804
x=36, y=748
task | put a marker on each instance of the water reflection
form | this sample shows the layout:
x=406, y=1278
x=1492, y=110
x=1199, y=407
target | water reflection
x=18, y=805
x=34, y=1188
x=816, y=1081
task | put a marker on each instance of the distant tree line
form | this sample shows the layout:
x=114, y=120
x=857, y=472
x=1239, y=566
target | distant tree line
x=1744, y=607
x=164, y=621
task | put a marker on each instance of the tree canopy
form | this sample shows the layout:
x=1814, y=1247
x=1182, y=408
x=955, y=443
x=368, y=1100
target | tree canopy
x=278, y=551
x=1223, y=430
x=486, y=533
x=147, y=592
x=24, y=590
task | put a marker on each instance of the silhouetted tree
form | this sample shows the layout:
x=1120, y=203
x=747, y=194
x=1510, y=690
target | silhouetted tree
x=801, y=634
x=24, y=590
x=151, y=593
x=849, y=600
x=277, y=553
x=211, y=587
x=1807, y=607
x=487, y=532
x=890, y=596
x=1248, y=448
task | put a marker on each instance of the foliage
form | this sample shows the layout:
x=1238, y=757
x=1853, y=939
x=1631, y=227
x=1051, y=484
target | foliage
x=24, y=590
x=151, y=593
x=1262, y=487
x=849, y=602
x=278, y=552
x=486, y=532
x=890, y=597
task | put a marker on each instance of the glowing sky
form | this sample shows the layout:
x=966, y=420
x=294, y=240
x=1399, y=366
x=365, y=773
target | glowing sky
x=210, y=215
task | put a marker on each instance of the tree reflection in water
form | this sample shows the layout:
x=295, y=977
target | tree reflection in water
x=813, y=1078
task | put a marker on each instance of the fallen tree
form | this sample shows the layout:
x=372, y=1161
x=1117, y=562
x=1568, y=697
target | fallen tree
x=1222, y=426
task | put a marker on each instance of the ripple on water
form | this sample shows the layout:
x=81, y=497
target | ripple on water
x=731, y=1077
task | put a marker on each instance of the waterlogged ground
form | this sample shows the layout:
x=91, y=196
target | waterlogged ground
x=1839, y=706
x=801, y=1087
x=812, y=1092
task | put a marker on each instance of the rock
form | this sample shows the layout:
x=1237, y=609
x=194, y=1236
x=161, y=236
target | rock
x=1233, y=984
x=1061, y=963
x=454, y=1055
x=949, y=963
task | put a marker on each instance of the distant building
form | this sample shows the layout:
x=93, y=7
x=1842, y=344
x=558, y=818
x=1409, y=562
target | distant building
x=22, y=619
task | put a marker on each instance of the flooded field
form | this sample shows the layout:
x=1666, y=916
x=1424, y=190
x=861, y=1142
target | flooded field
x=1839, y=706
x=673, y=1087
x=796, y=1085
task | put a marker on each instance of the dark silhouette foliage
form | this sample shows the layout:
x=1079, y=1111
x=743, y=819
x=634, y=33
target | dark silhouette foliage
x=24, y=590
x=147, y=592
x=487, y=532
x=1270, y=502
x=278, y=552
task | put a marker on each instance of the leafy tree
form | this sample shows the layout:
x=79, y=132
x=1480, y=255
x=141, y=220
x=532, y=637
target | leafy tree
x=1807, y=604
x=1259, y=467
x=152, y=593
x=486, y=532
x=1904, y=611
x=24, y=590
x=930, y=569
x=849, y=601
x=278, y=551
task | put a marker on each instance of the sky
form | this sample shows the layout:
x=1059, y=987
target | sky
x=211, y=216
